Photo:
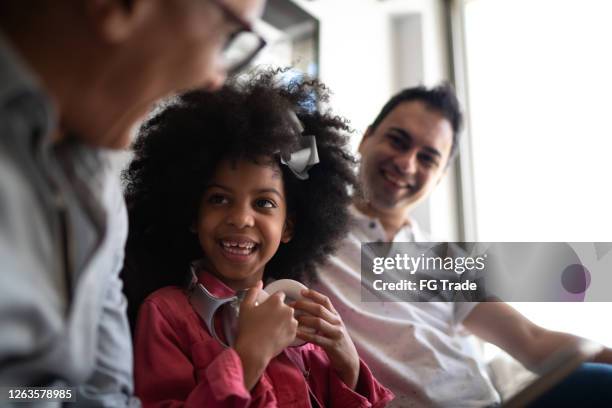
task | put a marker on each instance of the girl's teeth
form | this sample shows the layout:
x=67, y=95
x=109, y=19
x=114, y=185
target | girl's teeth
x=238, y=248
x=229, y=244
x=238, y=251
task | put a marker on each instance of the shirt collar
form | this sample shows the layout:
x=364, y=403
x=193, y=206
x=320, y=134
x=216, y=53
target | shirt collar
x=411, y=229
x=212, y=283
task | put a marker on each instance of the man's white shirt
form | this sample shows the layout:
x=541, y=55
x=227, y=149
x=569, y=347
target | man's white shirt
x=419, y=350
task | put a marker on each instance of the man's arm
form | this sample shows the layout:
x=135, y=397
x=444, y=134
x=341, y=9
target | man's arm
x=111, y=383
x=500, y=324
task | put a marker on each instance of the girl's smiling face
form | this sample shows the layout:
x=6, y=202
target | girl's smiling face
x=242, y=220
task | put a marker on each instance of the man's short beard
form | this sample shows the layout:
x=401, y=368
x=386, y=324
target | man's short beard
x=369, y=195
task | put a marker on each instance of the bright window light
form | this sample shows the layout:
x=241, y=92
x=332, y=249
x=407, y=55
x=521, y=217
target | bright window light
x=540, y=92
x=539, y=75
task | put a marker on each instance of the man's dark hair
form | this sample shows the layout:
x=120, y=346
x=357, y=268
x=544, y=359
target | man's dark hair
x=179, y=148
x=441, y=99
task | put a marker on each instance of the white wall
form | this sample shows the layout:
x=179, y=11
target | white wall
x=540, y=129
x=354, y=55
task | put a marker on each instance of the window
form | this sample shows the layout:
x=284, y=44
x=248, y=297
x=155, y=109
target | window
x=538, y=84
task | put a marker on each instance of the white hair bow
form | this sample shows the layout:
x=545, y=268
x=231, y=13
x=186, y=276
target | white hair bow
x=300, y=161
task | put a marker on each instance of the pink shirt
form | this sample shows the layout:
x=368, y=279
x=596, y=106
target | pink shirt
x=178, y=363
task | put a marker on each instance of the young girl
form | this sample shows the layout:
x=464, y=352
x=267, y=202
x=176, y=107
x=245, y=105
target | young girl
x=234, y=188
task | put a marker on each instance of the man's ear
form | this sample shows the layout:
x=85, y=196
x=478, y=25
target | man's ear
x=114, y=21
x=368, y=133
x=287, y=230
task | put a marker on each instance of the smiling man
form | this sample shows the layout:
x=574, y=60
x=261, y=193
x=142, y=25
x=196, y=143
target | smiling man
x=404, y=154
x=421, y=351
x=75, y=77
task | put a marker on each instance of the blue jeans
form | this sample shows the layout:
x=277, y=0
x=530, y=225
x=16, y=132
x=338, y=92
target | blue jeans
x=589, y=386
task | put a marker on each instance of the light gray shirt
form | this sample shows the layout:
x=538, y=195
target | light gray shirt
x=419, y=350
x=63, y=226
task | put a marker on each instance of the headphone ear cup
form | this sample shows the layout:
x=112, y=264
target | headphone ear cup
x=292, y=290
x=261, y=297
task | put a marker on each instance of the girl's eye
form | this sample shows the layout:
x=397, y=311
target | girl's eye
x=265, y=203
x=217, y=199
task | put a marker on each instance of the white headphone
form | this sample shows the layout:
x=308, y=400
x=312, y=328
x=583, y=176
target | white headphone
x=207, y=306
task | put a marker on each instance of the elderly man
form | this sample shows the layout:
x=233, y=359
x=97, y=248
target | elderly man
x=75, y=76
x=420, y=350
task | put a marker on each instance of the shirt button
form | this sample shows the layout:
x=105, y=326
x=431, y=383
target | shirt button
x=372, y=224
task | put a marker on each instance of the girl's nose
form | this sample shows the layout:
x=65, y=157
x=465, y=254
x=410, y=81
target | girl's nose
x=241, y=217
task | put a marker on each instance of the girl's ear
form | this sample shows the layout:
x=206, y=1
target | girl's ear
x=287, y=230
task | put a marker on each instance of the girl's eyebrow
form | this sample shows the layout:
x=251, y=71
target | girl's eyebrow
x=258, y=191
x=211, y=185
x=269, y=190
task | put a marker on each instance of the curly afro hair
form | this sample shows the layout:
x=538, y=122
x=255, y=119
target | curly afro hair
x=179, y=148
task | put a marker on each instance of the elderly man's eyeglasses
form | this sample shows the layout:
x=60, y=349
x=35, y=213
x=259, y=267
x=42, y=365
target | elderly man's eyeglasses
x=243, y=45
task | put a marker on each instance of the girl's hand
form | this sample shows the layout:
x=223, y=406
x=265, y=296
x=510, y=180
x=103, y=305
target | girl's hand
x=330, y=334
x=264, y=331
